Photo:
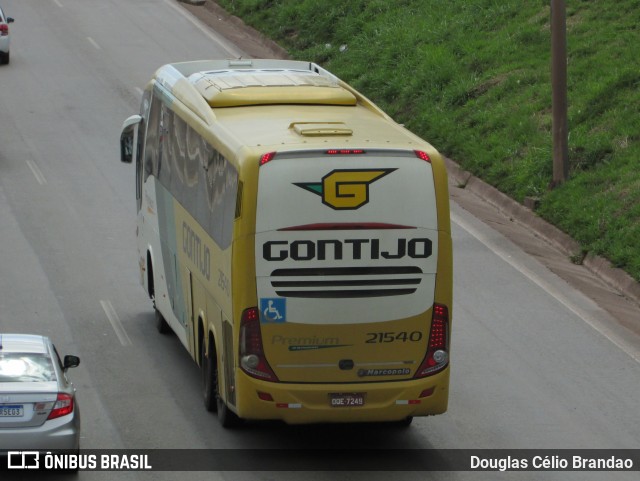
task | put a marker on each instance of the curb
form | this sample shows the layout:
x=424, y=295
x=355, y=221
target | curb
x=255, y=44
x=613, y=276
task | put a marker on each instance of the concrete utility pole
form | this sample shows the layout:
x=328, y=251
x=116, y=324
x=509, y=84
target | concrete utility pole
x=559, y=92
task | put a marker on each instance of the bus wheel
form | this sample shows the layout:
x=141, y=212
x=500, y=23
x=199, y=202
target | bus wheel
x=405, y=423
x=208, y=383
x=226, y=416
x=161, y=323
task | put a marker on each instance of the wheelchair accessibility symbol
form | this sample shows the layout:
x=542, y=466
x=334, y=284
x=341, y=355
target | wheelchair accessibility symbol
x=273, y=309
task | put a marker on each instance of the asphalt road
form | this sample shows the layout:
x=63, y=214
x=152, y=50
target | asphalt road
x=534, y=363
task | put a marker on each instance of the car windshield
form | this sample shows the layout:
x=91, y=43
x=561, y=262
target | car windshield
x=19, y=367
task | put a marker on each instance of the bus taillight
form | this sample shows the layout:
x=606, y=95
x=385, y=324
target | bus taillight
x=268, y=157
x=345, y=151
x=422, y=155
x=252, y=359
x=437, y=357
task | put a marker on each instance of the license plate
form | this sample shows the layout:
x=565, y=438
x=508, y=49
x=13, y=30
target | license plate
x=346, y=400
x=12, y=411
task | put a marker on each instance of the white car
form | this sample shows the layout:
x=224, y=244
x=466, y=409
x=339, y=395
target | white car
x=4, y=37
x=38, y=406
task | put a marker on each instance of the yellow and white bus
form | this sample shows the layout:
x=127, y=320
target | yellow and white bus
x=297, y=241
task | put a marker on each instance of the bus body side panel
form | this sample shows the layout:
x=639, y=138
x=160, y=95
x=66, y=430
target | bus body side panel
x=210, y=267
x=189, y=202
x=161, y=241
x=444, y=284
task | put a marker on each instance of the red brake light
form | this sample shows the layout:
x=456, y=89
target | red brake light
x=422, y=155
x=268, y=157
x=252, y=358
x=344, y=151
x=437, y=357
x=4, y=30
x=62, y=407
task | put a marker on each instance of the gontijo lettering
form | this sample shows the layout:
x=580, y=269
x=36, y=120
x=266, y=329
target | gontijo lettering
x=355, y=249
x=196, y=250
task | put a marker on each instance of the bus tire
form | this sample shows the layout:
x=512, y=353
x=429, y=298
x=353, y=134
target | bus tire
x=227, y=418
x=161, y=323
x=208, y=382
x=405, y=423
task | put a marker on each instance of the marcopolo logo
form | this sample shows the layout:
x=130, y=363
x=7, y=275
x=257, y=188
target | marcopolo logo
x=345, y=189
x=404, y=371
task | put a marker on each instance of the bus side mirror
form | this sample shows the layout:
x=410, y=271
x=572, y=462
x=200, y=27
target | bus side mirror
x=129, y=139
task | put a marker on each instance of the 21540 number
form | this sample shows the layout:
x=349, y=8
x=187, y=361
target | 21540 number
x=382, y=337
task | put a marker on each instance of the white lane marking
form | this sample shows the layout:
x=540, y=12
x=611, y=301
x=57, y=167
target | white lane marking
x=115, y=323
x=94, y=43
x=57, y=2
x=36, y=172
x=230, y=48
x=598, y=325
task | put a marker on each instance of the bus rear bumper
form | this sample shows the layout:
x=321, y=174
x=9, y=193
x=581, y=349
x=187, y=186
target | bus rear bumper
x=312, y=403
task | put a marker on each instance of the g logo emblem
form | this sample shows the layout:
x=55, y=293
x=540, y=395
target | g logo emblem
x=345, y=189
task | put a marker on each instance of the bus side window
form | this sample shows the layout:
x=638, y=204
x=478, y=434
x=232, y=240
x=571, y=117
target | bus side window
x=151, y=150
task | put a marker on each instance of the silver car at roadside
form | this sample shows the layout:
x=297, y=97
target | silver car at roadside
x=38, y=405
x=5, y=39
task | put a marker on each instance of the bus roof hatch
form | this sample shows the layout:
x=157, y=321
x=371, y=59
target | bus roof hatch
x=316, y=129
x=233, y=88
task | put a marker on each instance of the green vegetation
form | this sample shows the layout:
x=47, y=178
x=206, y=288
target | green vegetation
x=473, y=78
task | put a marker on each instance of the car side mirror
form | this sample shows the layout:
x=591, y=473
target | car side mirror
x=70, y=361
x=10, y=20
x=129, y=139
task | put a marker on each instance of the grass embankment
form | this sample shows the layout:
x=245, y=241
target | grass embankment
x=473, y=78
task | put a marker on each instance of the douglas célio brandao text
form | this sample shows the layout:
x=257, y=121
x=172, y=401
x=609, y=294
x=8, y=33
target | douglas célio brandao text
x=550, y=463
